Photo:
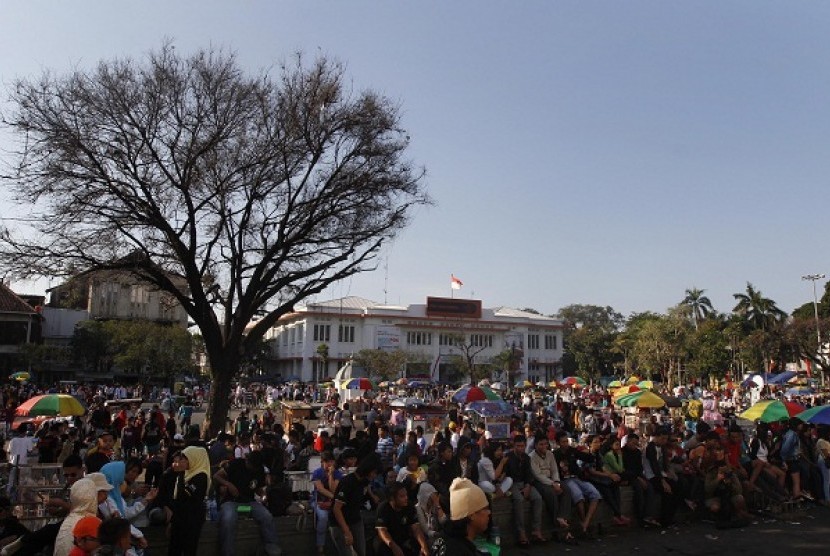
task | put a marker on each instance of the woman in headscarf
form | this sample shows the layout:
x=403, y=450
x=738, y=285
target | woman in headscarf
x=83, y=502
x=428, y=509
x=188, y=501
x=114, y=505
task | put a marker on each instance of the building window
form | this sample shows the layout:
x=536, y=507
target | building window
x=532, y=341
x=481, y=340
x=300, y=333
x=322, y=332
x=550, y=341
x=345, y=334
x=419, y=338
x=446, y=340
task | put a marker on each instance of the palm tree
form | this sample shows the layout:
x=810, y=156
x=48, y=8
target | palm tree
x=698, y=305
x=758, y=311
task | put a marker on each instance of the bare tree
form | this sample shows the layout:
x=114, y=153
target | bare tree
x=259, y=190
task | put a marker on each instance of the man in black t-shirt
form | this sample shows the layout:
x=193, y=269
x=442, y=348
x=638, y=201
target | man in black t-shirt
x=399, y=533
x=244, y=480
x=345, y=521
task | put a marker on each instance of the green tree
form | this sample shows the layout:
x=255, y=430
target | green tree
x=588, y=338
x=258, y=190
x=143, y=348
x=759, y=312
x=698, y=305
x=383, y=364
x=708, y=349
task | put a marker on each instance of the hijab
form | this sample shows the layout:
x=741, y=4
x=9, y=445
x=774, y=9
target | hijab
x=198, y=461
x=425, y=491
x=114, y=471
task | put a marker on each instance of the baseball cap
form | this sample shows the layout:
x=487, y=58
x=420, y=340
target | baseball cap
x=86, y=527
x=100, y=481
x=178, y=438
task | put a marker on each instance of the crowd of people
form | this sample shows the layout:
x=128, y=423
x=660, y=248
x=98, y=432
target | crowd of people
x=382, y=489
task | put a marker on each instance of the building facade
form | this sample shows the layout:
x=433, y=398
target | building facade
x=429, y=331
x=20, y=324
x=118, y=295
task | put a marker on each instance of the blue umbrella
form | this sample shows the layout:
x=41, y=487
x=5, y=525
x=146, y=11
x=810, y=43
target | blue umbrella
x=491, y=408
x=782, y=378
x=799, y=391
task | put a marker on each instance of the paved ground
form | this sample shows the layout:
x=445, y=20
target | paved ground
x=806, y=532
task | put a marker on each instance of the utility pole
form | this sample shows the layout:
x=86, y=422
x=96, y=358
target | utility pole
x=814, y=278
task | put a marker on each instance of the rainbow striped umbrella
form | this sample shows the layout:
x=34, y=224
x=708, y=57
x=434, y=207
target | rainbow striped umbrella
x=769, y=411
x=51, y=405
x=819, y=415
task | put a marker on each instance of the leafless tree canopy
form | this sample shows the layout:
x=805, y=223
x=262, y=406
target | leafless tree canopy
x=254, y=188
x=259, y=189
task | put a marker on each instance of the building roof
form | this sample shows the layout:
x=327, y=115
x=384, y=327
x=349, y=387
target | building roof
x=350, y=302
x=10, y=302
x=355, y=303
x=517, y=313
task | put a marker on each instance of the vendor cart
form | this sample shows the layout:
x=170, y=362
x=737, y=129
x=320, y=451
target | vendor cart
x=496, y=416
x=296, y=412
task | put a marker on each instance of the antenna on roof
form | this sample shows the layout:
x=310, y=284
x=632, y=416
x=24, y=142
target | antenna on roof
x=385, y=279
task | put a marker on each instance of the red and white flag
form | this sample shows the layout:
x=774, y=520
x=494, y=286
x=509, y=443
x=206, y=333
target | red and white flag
x=455, y=283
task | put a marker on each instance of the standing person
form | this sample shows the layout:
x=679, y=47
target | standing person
x=325, y=479
x=346, y=523
x=101, y=454
x=187, y=505
x=346, y=423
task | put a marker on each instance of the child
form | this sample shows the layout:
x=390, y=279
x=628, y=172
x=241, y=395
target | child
x=114, y=536
x=86, y=536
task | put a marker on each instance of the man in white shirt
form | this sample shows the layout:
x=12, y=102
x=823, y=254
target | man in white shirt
x=546, y=480
x=21, y=445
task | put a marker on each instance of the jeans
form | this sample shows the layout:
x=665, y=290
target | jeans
x=322, y=526
x=519, y=508
x=580, y=490
x=358, y=536
x=228, y=517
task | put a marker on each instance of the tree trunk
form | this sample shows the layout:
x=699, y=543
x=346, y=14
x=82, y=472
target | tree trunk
x=219, y=403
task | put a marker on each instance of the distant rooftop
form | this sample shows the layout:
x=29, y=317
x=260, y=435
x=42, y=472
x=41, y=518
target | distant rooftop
x=355, y=303
x=10, y=302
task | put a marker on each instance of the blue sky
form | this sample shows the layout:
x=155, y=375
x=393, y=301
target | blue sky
x=611, y=153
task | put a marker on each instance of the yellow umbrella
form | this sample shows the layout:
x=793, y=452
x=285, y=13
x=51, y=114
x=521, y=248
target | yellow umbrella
x=650, y=400
x=633, y=380
x=646, y=384
x=630, y=389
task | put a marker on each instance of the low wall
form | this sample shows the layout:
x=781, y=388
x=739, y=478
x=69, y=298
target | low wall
x=294, y=541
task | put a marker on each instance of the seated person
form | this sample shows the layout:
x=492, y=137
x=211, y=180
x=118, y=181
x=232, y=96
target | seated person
x=723, y=491
x=399, y=533
x=86, y=536
x=469, y=518
x=57, y=506
x=10, y=528
x=569, y=472
x=243, y=480
x=412, y=475
x=492, y=474
x=431, y=516
x=546, y=480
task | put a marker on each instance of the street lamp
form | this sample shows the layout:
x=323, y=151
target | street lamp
x=813, y=278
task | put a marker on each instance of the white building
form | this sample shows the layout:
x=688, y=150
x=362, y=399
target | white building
x=351, y=324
